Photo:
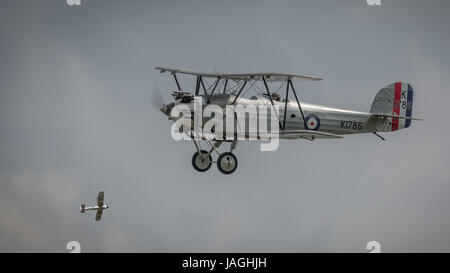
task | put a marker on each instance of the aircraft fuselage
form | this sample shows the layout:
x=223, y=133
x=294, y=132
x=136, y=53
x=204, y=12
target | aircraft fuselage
x=318, y=117
x=96, y=207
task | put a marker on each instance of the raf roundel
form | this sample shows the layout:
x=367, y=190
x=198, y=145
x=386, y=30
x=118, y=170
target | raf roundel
x=312, y=122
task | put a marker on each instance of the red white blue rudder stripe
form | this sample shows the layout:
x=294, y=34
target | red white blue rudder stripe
x=395, y=99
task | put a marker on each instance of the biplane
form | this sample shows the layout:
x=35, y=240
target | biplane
x=391, y=110
x=99, y=208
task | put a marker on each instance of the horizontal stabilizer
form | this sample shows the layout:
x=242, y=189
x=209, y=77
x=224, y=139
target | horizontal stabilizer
x=396, y=116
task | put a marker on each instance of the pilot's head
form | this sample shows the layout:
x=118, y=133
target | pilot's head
x=276, y=97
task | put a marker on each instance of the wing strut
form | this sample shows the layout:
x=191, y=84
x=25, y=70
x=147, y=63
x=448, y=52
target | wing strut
x=239, y=93
x=225, y=86
x=285, y=106
x=298, y=103
x=214, y=89
x=235, y=99
x=270, y=97
x=203, y=85
x=197, y=86
x=176, y=80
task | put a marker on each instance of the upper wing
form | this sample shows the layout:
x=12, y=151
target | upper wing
x=100, y=199
x=271, y=77
x=98, y=216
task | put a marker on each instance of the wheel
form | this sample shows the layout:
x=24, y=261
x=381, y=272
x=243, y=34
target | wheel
x=227, y=163
x=201, y=165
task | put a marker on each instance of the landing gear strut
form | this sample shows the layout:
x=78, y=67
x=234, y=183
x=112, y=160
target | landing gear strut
x=226, y=162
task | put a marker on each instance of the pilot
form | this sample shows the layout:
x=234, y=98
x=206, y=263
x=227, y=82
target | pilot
x=276, y=97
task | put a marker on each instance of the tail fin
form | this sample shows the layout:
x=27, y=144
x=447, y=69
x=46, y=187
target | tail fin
x=82, y=208
x=395, y=99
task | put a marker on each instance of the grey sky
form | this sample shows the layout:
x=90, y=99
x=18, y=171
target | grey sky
x=76, y=118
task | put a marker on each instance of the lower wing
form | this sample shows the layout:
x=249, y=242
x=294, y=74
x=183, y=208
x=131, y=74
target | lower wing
x=287, y=134
x=98, y=216
x=307, y=134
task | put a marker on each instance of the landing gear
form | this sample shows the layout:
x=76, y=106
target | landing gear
x=227, y=163
x=202, y=162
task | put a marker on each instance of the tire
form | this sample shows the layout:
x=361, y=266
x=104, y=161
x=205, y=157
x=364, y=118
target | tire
x=198, y=164
x=227, y=163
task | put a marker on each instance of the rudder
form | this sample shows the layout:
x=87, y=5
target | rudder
x=395, y=99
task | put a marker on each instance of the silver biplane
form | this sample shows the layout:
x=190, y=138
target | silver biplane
x=99, y=208
x=391, y=110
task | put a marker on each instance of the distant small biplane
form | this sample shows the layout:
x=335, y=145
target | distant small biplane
x=99, y=208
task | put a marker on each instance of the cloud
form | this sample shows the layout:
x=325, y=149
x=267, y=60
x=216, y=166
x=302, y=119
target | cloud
x=28, y=203
x=76, y=119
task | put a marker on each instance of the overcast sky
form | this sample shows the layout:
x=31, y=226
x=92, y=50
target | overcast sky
x=76, y=117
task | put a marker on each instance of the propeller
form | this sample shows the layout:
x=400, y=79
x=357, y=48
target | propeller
x=157, y=99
